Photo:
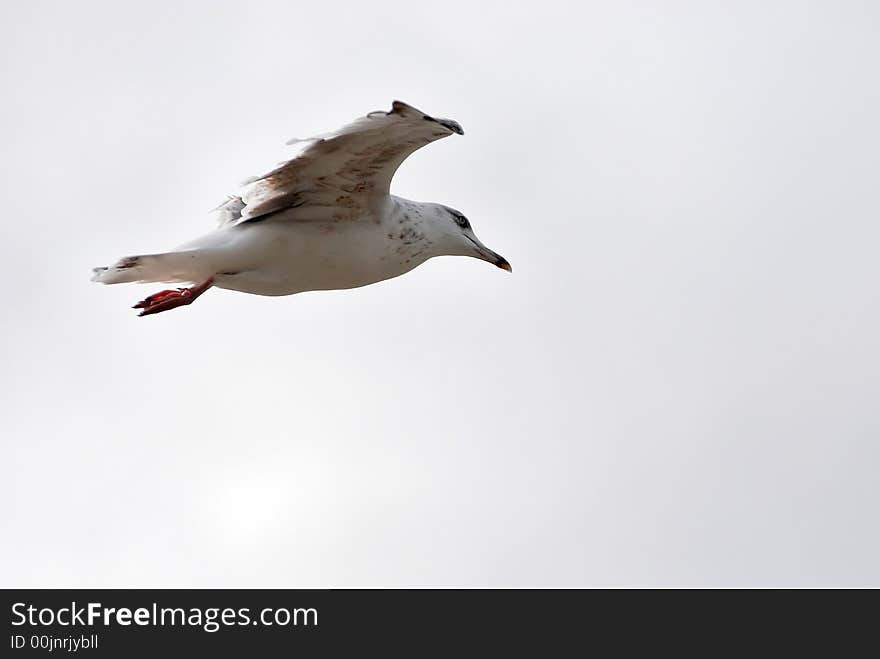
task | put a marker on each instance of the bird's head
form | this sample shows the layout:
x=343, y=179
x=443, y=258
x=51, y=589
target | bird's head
x=458, y=238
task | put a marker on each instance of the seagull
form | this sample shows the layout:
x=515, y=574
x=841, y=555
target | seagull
x=323, y=220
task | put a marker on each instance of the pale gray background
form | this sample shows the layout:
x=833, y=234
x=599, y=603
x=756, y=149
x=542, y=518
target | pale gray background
x=679, y=383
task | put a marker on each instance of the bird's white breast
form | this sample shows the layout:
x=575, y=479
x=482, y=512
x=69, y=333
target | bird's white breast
x=279, y=256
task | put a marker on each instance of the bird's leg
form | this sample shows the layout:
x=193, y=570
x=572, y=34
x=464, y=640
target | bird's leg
x=171, y=299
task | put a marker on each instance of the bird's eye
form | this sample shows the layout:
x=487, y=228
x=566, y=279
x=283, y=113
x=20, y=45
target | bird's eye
x=462, y=221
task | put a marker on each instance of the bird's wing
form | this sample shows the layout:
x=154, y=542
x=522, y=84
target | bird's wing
x=339, y=175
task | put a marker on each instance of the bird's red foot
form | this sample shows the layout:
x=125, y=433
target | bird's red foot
x=171, y=299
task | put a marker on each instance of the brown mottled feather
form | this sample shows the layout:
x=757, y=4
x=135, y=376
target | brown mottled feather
x=345, y=172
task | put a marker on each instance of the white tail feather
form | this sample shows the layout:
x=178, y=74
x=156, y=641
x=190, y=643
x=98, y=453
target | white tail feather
x=169, y=267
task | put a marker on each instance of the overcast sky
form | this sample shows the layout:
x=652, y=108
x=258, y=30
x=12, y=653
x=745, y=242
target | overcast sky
x=678, y=384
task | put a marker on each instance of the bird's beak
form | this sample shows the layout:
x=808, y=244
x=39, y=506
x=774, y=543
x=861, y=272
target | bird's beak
x=486, y=254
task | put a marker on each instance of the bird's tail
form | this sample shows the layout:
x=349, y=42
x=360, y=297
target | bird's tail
x=168, y=267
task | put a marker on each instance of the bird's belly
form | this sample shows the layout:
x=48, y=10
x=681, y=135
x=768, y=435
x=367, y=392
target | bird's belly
x=313, y=257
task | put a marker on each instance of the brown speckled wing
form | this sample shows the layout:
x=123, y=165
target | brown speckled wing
x=340, y=175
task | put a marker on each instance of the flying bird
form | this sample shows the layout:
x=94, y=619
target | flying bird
x=323, y=220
